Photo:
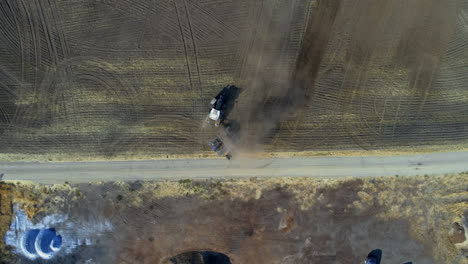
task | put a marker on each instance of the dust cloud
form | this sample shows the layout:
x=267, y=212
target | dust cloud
x=280, y=77
x=342, y=43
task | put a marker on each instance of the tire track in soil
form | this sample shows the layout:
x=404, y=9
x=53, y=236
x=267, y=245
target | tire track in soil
x=365, y=106
x=13, y=45
x=423, y=75
x=29, y=112
x=360, y=53
x=245, y=43
x=8, y=35
x=295, y=98
x=144, y=28
x=36, y=43
x=51, y=95
x=210, y=18
x=194, y=47
x=369, y=116
x=295, y=13
x=357, y=82
x=43, y=19
x=365, y=66
x=191, y=55
x=20, y=38
x=183, y=42
x=94, y=73
x=47, y=34
x=324, y=95
x=60, y=32
x=463, y=19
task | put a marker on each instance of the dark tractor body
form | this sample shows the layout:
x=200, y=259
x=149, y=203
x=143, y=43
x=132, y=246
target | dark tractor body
x=374, y=257
x=223, y=103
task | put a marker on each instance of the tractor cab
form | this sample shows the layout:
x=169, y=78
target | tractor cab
x=222, y=104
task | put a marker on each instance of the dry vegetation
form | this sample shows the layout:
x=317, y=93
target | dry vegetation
x=426, y=211
x=116, y=80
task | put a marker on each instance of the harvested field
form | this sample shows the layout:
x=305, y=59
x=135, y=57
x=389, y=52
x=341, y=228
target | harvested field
x=282, y=220
x=133, y=79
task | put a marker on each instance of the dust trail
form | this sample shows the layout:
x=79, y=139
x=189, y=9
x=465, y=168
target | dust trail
x=361, y=43
x=275, y=93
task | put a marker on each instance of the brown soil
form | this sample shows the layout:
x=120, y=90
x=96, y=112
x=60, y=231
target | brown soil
x=120, y=79
x=280, y=220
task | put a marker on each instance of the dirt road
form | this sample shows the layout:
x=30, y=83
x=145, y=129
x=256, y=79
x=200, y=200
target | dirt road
x=263, y=220
x=319, y=167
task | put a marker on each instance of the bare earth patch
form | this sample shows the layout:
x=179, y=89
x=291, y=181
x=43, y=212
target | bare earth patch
x=282, y=220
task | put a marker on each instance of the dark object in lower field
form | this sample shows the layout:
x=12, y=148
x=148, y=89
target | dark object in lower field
x=374, y=257
x=203, y=257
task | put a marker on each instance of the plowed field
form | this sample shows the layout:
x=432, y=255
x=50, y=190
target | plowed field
x=134, y=78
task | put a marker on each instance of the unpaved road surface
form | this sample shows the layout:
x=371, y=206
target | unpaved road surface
x=323, y=167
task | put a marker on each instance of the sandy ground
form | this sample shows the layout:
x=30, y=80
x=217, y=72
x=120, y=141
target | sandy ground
x=317, y=167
